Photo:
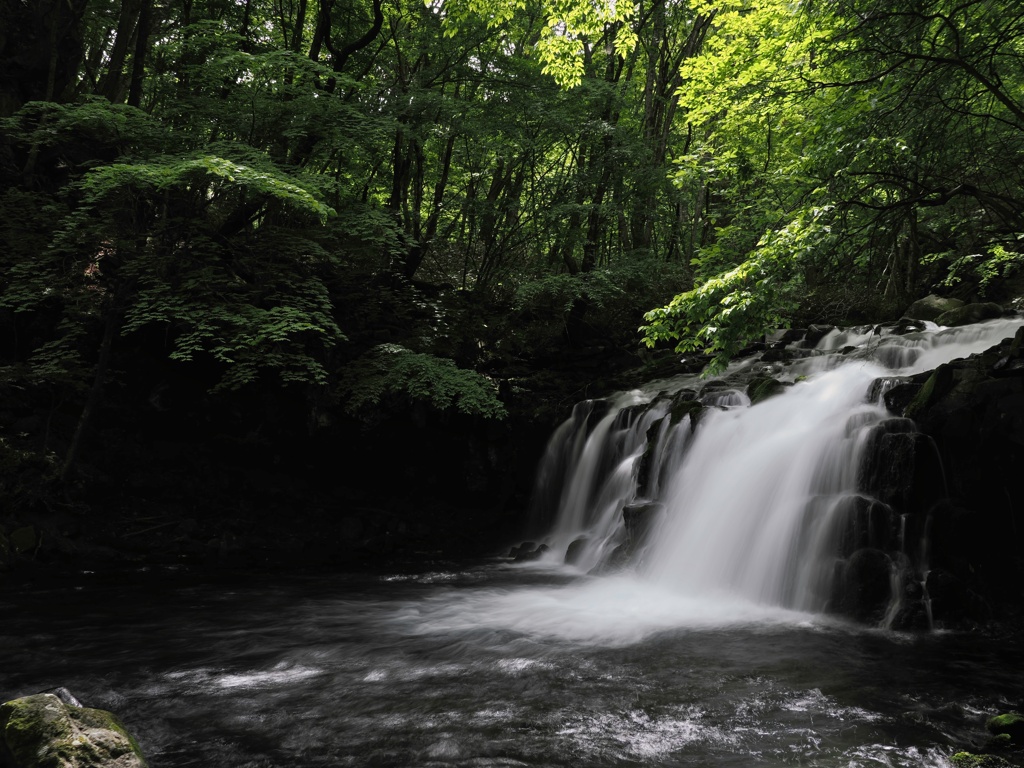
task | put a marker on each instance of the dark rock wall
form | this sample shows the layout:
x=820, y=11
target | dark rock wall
x=968, y=507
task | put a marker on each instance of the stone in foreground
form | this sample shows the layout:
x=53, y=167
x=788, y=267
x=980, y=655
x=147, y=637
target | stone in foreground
x=41, y=731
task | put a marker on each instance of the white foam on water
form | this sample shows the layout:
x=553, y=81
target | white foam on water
x=635, y=734
x=613, y=610
x=749, y=529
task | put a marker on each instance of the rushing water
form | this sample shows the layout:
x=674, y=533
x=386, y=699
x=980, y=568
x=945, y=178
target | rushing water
x=492, y=665
x=710, y=653
x=747, y=503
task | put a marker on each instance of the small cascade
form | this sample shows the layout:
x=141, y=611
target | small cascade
x=799, y=500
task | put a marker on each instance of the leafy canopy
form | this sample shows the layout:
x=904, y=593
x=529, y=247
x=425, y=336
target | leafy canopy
x=391, y=371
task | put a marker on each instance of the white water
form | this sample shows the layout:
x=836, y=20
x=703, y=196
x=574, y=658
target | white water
x=750, y=530
x=738, y=499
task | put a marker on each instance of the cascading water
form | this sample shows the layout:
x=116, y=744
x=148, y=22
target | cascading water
x=760, y=503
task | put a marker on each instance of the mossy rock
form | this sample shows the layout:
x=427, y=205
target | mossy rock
x=1010, y=724
x=762, y=388
x=685, y=408
x=936, y=385
x=970, y=313
x=41, y=731
x=968, y=760
x=931, y=306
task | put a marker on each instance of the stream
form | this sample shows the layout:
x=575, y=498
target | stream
x=713, y=646
x=493, y=664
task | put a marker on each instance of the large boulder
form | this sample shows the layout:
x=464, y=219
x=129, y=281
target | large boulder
x=1009, y=726
x=953, y=603
x=864, y=588
x=575, y=550
x=816, y=333
x=931, y=306
x=973, y=409
x=41, y=731
x=639, y=519
x=863, y=522
x=762, y=387
x=970, y=313
x=902, y=468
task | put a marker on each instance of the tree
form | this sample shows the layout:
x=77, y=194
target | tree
x=860, y=144
x=207, y=246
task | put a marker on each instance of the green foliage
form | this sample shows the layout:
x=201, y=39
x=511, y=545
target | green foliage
x=563, y=290
x=84, y=132
x=206, y=244
x=207, y=174
x=285, y=325
x=569, y=29
x=723, y=313
x=390, y=372
x=560, y=167
x=980, y=270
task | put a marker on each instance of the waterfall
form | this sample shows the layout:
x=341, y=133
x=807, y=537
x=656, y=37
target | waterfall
x=768, y=503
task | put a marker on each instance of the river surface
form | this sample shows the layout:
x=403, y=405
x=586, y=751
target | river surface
x=492, y=664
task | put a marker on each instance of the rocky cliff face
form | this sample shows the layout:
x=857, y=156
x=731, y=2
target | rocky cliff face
x=973, y=411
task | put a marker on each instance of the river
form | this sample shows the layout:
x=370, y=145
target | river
x=713, y=648
x=493, y=664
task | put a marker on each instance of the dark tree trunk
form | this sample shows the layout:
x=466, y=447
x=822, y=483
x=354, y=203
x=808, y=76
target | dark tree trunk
x=139, y=58
x=94, y=398
x=112, y=84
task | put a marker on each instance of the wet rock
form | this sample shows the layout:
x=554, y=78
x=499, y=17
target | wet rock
x=65, y=695
x=639, y=519
x=751, y=349
x=864, y=522
x=526, y=546
x=784, y=336
x=617, y=560
x=776, y=355
x=713, y=386
x=41, y=731
x=882, y=385
x=970, y=313
x=628, y=416
x=816, y=333
x=907, y=325
x=575, y=550
x=912, y=616
x=866, y=585
x=976, y=418
x=763, y=387
x=595, y=411
x=529, y=555
x=901, y=467
x=1010, y=724
x=931, y=306
x=898, y=398
x=683, y=408
x=953, y=603
x=970, y=760
x=1008, y=366
x=645, y=468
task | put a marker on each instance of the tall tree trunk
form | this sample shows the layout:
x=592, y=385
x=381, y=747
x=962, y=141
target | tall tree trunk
x=139, y=58
x=300, y=27
x=112, y=84
x=94, y=397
